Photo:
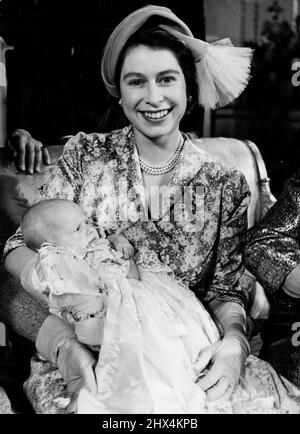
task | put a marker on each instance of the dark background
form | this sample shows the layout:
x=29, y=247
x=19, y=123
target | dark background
x=268, y=112
x=55, y=86
x=54, y=81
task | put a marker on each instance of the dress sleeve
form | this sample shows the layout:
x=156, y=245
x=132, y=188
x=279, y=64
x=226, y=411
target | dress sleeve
x=13, y=243
x=63, y=181
x=273, y=248
x=229, y=267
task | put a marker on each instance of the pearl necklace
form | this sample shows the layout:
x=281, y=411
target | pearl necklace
x=165, y=168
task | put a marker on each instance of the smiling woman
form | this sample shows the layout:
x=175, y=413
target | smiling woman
x=157, y=68
x=167, y=76
x=156, y=77
x=153, y=92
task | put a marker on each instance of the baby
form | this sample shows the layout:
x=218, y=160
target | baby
x=150, y=327
x=70, y=262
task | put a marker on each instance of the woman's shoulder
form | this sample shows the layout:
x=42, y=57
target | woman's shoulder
x=91, y=142
x=215, y=163
x=216, y=176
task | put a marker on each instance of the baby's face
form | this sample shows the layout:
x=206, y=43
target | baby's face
x=71, y=229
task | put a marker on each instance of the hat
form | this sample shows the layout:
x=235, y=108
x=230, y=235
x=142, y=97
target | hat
x=222, y=69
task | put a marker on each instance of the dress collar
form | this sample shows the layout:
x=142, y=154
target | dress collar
x=189, y=164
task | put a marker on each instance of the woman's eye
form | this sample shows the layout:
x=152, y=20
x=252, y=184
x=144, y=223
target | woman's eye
x=136, y=83
x=78, y=228
x=169, y=79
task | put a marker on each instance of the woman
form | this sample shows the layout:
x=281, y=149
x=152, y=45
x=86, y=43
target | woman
x=154, y=66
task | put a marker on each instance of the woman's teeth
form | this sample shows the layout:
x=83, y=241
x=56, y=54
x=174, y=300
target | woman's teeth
x=156, y=115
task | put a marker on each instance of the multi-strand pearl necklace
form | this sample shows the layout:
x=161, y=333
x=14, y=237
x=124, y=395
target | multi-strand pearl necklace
x=165, y=168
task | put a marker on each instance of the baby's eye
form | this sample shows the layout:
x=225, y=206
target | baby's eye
x=78, y=228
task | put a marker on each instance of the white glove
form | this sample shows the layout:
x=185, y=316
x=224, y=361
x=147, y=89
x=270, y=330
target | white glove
x=227, y=358
x=56, y=342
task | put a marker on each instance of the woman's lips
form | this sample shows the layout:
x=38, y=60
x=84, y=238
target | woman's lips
x=157, y=115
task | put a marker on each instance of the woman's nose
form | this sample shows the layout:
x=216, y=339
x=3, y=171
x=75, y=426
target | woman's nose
x=154, y=95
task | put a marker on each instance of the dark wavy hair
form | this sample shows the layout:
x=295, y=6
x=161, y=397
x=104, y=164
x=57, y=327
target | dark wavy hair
x=156, y=38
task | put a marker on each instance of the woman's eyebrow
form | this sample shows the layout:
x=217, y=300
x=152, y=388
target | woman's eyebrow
x=140, y=75
x=169, y=71
x=133, y=74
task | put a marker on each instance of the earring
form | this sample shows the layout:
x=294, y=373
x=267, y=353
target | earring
x=120, y=101
x=190, y=98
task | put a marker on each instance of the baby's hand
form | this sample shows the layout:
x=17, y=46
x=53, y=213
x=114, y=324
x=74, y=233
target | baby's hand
x=122, y=245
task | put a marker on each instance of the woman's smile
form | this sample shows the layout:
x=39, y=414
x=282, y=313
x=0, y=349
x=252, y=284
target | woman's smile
x=156, y=115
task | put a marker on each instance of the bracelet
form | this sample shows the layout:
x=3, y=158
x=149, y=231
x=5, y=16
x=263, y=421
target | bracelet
x=78, y=317
x=264, y=180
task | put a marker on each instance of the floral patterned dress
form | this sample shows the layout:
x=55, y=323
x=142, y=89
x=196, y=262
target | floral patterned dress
x=199, y=235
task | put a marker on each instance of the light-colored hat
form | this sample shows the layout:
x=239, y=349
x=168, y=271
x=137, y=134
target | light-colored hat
x=222, y=69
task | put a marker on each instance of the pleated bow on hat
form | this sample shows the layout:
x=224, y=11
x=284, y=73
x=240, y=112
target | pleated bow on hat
x=222, y=70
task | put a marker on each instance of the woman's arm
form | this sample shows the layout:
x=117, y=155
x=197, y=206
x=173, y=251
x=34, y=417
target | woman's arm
x=63, y=180
x=54, y=338
x=56, y=341
x=225, y=297
x=17, y=259
x=230, y=315
x=20, y=311
x=228, y=266
x=227, y=357
x=272, y=250
x=24, y=313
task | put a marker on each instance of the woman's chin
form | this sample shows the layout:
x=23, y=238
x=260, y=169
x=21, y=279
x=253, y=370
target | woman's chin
x=157, y=129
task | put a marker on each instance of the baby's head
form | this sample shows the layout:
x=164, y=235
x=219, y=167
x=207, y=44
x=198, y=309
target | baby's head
x=57, y=221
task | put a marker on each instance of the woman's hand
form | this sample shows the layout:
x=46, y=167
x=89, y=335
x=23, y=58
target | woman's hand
x=76, y=365
x=56, y=341
x=28, y=153
x=227, y=359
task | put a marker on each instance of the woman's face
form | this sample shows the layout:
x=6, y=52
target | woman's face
x=153, y=90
